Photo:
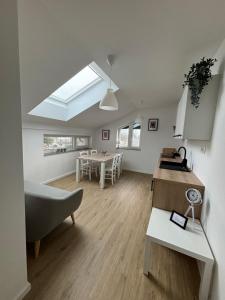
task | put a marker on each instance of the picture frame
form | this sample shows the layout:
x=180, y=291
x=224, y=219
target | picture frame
x=178, y=219
x=105, y=134
x=153, y=124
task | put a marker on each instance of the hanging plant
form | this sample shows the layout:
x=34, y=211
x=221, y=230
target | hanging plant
x=198, y=77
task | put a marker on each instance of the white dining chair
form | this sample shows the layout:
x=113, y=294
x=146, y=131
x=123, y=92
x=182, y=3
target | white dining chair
x=94, y=164
x=93, y=151
x=119, y=165
x=83, y=153
x=110, y=170
x=85, y=165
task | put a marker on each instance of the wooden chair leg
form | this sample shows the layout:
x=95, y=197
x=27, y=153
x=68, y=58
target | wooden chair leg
x=37, y=248
x=72, y=217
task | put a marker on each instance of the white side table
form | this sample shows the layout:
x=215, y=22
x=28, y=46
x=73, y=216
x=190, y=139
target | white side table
x=191, y=241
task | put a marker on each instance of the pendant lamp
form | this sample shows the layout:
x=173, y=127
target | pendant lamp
x=109, y=102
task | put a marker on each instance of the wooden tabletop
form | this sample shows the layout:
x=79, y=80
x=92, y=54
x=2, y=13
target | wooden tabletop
x=99, y=157
x=176, y=176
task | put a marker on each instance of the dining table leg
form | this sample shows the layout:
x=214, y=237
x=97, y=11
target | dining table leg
x=102, y=175
x=77, y=170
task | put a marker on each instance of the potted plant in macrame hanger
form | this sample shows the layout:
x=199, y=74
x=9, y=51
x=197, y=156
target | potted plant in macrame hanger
x=198, y=77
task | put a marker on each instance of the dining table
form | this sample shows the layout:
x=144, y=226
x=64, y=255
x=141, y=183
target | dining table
x=101, y=158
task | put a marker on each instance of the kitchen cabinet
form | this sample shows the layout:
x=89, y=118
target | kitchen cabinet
x=169, y=188
x=197, y=124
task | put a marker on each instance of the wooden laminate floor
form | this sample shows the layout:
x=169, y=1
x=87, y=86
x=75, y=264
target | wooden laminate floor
x=101, y=257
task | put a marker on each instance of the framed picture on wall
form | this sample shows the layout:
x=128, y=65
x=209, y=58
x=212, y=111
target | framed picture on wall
x=105, y=134
x=153, y=124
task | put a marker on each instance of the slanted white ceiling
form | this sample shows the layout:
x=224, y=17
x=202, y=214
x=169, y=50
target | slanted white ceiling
x=152, y=41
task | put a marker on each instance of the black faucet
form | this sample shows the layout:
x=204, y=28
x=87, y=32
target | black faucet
x=184, y=161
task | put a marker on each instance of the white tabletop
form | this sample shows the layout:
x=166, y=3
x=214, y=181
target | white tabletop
x=191, y=241
x=99, y=157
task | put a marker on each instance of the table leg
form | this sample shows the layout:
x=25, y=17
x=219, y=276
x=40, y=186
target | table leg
x=205, y=281
x=77, y=170
x=147, y=256
x=102, y=175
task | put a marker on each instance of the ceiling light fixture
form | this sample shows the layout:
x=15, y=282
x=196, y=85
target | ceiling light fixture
x=109, y=102
x=139, y=118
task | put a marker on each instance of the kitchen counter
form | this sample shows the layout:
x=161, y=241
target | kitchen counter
x=176, y=176
x=169, y=187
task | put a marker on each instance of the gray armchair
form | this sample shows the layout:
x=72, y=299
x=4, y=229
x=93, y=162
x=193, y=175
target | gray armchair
x=46, y=207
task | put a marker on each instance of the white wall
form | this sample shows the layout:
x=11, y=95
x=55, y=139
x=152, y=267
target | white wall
x=40, y=168
x=151, y=141
x=209, y=165
x=13, y=270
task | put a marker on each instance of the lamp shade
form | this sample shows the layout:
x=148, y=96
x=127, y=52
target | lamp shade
x=109, y=102
x=138, y=118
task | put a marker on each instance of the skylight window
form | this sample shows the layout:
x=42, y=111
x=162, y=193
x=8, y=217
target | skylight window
x=79, y=93
x=79, y=83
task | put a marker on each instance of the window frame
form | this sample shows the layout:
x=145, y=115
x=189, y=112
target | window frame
x=81, y=147
x=80, y=91
x=130, y=134
x=74, y=137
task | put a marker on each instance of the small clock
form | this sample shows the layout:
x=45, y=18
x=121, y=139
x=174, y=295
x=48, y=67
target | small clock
x=193, y=196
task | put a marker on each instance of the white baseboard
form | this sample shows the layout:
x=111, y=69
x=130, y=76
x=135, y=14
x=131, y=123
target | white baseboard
x=137, y=171
x=73, y=172
x=58, y=177
x=24, y=291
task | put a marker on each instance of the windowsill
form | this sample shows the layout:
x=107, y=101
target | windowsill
x=129, y=148
x=56, y=153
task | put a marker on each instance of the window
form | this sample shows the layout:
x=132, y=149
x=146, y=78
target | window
x=54, y=144
x=136, y=134
x=85, y=89
x=79, y=83
x=123, y=137
x=82, y=142
x=129, y=136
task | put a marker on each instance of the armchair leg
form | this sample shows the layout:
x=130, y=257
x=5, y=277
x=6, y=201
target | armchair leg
x=37, y=248
x=72, y=217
